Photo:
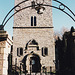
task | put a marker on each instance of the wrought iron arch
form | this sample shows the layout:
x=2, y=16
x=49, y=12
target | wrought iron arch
x=4, y=22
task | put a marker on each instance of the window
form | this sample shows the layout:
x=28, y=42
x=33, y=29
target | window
x=44, y=51
x=33, y=21
x=37, y=47
x=33, y=62
x=19, y=51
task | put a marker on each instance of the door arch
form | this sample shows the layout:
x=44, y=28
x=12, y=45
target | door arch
x=32, y=62
x=35, y=64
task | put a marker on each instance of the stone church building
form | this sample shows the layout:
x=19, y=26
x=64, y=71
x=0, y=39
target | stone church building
x=33, y=38
x=33, y=42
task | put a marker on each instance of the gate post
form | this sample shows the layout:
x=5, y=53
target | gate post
x=5, y=49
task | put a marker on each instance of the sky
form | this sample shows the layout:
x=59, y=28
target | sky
x=60, y=19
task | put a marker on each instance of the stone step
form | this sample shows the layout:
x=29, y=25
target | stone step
x=37, y=74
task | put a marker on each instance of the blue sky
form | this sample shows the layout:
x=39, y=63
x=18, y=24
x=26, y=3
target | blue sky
x=59, y=18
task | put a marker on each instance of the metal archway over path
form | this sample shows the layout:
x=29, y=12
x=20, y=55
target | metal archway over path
x=34, y=4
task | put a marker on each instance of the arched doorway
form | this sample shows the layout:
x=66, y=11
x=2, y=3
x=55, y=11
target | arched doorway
x=32, y=63
x=35, y=64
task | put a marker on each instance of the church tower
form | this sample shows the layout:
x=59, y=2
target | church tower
x=33, y=41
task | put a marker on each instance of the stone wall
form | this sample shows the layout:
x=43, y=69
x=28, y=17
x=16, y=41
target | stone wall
x=5, y=48
x=44, y=37
x=23, y=18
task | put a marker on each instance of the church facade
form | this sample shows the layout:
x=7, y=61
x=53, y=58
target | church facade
x=33, y=37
